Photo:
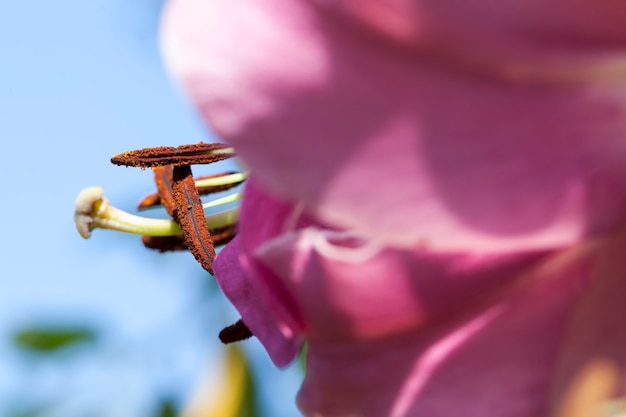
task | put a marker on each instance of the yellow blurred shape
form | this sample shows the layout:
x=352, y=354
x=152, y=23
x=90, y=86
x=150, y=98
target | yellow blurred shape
x=614, y=408
x=590, y=393
x=222, y=392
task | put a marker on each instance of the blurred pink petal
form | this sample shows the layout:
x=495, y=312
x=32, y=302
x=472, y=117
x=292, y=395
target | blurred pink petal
x=398, y=333
x=465, y=167
x=497, y=359
x=262, y=299
x=332, y=109
x=492, y=360
x=287, y=278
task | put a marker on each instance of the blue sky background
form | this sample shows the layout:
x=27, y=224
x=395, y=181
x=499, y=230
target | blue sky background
x=81, y=81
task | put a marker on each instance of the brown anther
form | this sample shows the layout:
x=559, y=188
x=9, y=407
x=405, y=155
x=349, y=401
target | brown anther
x=165, y=243
x=154, y=199
x=200, y=153
x=219, y=235
x=223, y=235
x=189, y=214
x=151, y=200
x=235, y=333
x=163, y=179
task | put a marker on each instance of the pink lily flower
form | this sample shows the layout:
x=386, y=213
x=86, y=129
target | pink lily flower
x=437, y=196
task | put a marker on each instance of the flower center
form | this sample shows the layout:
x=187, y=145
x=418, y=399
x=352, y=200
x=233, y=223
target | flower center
x=180, y=194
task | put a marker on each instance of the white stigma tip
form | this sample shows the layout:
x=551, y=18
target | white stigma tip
x=84, y=209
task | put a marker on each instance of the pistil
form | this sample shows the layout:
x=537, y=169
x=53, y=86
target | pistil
x=94, y=211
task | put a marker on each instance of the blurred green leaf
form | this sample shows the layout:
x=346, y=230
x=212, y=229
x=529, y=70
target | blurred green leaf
x=30, y=411
x=49, y=339
x=302, y=358
x=166, y=408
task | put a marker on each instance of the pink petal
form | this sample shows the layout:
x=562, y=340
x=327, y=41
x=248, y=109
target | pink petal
x=431, y=343
x=495, y=362
x=261, y=298
x=395, y=332
x=500, y=125
x=462, y=144
x=288, y=275
x=275, y=330
x=348, y=288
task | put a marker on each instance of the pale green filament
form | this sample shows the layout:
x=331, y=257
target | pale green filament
x=222, y=180
x=219, y=201
x=222, y=150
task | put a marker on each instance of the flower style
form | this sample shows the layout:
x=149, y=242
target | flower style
x=437, y=196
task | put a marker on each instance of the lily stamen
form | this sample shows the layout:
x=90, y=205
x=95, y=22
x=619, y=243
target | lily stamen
x=179, y=193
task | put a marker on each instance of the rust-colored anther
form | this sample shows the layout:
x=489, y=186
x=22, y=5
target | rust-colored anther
x=151, y=200
x=189, y=214
x=163, y=177
x=223, y=235
x=219, y=235
x=200, y=153
x=154, y=199
x=235, y=333
x=165, y=243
